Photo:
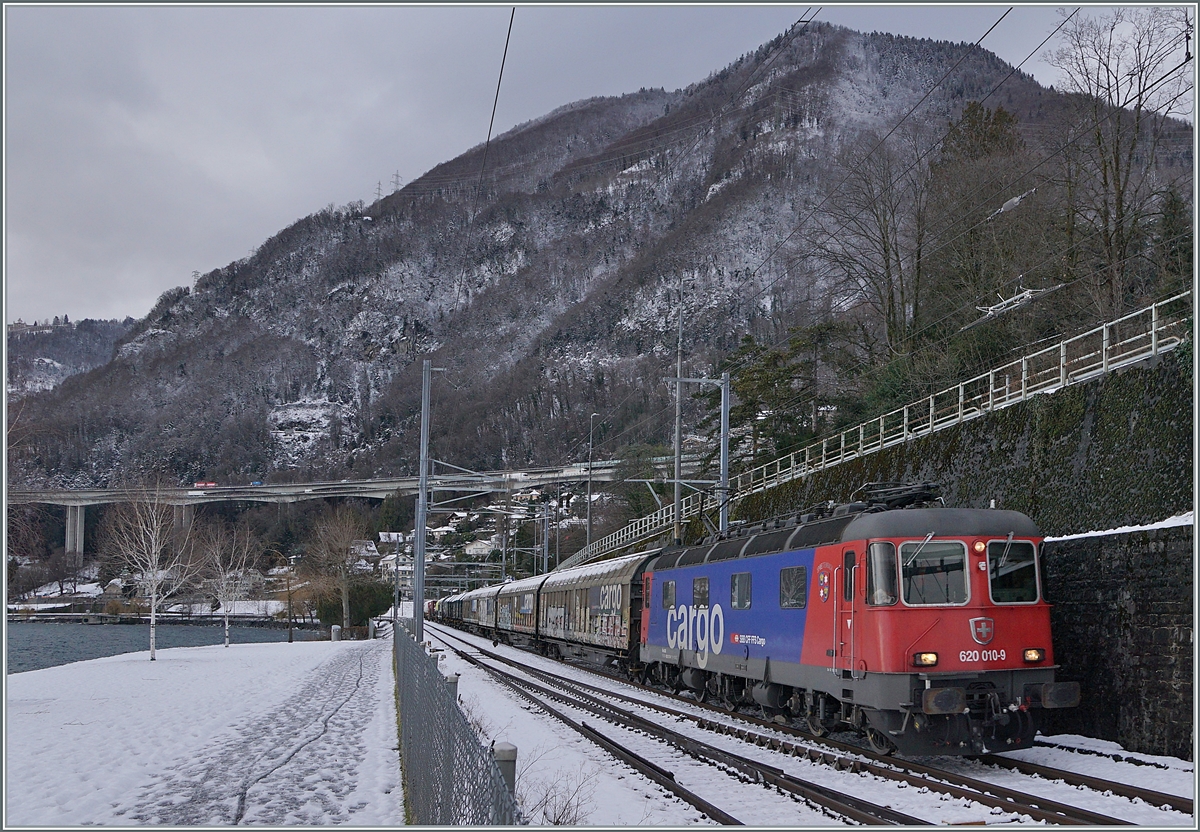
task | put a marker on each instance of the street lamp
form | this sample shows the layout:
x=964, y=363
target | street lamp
x=396, y=538
x=291, y=563
x=591, y=426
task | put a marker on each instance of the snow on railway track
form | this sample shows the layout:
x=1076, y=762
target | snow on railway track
x=1058, y=801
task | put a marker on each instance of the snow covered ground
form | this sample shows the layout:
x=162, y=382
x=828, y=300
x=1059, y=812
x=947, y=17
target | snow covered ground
x=268, y=734
x=305, y=734
x=555, y=765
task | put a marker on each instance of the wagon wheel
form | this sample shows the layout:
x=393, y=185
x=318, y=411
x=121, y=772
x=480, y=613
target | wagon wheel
x=880, y=742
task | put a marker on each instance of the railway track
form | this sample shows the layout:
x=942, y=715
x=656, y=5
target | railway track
x=850, y=757
x=818, y=796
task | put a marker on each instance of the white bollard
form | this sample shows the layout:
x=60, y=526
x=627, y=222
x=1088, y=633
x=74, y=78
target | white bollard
x=506, y=760
x=452, y=681
x=370, y=628
x=335, y=632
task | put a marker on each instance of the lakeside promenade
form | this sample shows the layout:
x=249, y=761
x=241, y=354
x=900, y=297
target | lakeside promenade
x=300, y=734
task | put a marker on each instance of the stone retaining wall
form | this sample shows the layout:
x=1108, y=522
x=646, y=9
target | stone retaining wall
x=1122, y=628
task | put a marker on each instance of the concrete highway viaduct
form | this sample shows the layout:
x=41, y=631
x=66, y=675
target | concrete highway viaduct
x=185, y=499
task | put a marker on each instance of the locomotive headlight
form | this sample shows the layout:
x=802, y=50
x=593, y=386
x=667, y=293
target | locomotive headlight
x=1034, y=654
x=979, y=547
x=925, y=659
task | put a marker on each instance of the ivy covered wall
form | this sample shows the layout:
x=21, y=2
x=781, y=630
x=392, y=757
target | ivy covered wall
x=1115, y=451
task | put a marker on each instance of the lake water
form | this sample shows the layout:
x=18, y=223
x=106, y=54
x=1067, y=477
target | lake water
x=34, y=645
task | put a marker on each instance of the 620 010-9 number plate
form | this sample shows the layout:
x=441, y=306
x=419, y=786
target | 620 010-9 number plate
x=981, y=656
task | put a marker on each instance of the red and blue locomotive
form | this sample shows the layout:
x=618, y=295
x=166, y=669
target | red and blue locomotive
x=923, y=627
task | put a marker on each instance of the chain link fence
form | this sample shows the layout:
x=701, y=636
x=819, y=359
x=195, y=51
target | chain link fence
x=450, y=779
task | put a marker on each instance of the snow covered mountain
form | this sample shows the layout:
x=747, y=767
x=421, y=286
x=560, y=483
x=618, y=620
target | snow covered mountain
x=548, y=294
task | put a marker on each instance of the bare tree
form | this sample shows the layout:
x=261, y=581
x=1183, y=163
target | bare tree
x=874, y=229
x=225, y=555
x=142, y=537
x=1133, y=82
x=331, y=553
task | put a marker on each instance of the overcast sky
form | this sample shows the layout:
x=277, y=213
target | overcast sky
x=145, y=143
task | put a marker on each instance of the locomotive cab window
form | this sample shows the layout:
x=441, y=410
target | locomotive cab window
x=1012, y=572
x=739, y=591
x=668, y=595
x=934, y=572
x=793, y=588
x=881, y=575
x=699, y=592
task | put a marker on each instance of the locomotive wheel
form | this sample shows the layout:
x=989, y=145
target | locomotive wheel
x=880, y=742
x=815, y=726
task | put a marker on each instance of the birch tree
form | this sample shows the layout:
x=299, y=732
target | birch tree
x=225, y=555
x=141, y=536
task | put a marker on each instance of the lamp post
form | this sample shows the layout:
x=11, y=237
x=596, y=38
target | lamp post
x=591, y=428
x=395, y=538
x=290, y=564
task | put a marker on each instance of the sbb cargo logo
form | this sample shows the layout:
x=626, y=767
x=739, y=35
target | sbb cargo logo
x=745, y=638
x=696, y=628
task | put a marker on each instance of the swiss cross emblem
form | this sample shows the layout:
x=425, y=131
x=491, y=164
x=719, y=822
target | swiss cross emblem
x=982, y=630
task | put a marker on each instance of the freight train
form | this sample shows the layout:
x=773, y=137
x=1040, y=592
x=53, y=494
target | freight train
x=922, y=627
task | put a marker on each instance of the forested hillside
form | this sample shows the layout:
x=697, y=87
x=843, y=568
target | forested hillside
x=40, y=357
x=833, y=207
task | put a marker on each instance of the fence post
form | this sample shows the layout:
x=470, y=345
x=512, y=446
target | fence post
x=932, y=412
x=1154, y=329
x=1024, y=376
x=991, y=389
x=860, y=440
x=960, y=402
x=905, y=423
x=1062, y=364
x=1104, y=350
x=506, y=760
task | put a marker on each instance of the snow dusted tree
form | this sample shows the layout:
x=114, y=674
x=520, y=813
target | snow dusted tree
x=142, y=537
x=225, y=555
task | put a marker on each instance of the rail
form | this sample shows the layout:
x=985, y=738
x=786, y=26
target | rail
x=1127, y=340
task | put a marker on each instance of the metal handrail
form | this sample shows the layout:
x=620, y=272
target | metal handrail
x=1127, y=340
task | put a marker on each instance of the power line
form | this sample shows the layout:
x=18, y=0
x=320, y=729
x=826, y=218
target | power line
x=929, y=252
x=483, y=166
x=896, y=127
